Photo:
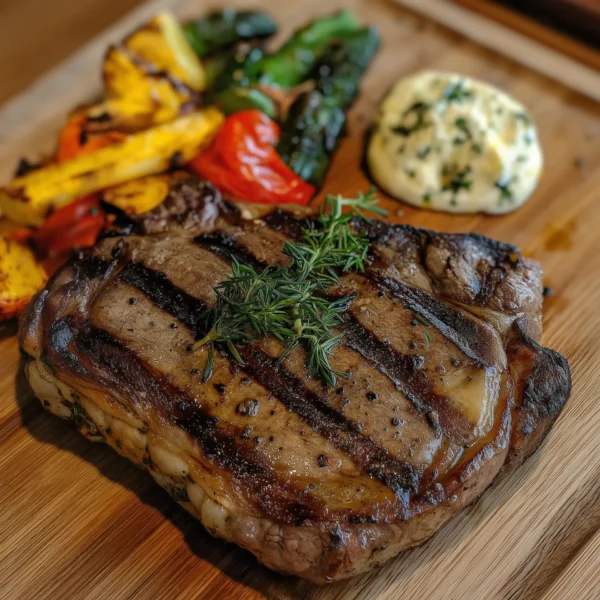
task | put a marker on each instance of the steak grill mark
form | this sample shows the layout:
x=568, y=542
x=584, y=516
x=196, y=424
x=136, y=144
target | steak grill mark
x=404, y=370
x=163, y=293
x=401, y=369
x=452, y=324
x=226, y=247
x=111, y=362
x=343, y=433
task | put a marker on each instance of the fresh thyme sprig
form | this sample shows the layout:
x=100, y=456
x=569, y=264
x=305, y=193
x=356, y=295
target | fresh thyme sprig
x=287, y=303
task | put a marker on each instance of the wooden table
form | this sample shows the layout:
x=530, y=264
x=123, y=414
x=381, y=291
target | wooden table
x=77, y=521
x=35, y=35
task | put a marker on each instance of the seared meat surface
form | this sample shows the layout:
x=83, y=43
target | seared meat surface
x=448, y=385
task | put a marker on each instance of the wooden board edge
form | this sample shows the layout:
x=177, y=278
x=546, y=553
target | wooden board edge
x=512, y=44
x=531, y=28
x=73, y=67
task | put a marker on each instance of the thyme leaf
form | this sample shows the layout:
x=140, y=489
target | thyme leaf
x=288, y=303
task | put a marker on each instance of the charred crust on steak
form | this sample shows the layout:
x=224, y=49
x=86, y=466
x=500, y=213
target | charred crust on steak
x=340, y=490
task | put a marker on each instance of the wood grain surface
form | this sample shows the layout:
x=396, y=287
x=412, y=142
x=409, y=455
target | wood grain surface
x=34, y=38
x=77, y=521
x=588, y=19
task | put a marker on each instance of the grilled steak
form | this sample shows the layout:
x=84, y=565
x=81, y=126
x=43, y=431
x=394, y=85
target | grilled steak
x=448, y=388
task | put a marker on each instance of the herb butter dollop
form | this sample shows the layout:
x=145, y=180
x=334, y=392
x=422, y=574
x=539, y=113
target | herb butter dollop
x=448, y=142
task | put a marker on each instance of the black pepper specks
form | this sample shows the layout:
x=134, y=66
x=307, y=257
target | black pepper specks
x=434, y=419
x=248, y=408
x=371, y=396
x=132, y=301
x=220, y=387
x=321, y=461
x=395, y=421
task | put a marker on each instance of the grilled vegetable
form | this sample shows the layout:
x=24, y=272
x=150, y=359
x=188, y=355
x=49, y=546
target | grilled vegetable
x=317, y=118
x=75, y=225
x=222, y=29
x=214, y=66
x=30, y=198
x=74, y=139
x=235, y=72
x=140, y=195
x=160, y=49
x=242, y=162
x=295, y=60
x=20, y=277
x=237, y=99
x=150, y=78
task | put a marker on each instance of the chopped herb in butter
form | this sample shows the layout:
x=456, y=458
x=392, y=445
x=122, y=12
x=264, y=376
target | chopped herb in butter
x=455, y=144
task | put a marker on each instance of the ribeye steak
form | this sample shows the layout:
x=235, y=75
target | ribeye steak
x=448, y=389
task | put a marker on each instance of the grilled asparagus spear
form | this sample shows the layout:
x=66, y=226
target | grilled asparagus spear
x=222, y=29
x=317, y=118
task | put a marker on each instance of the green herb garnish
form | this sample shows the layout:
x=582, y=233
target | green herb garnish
x=456, y=92
x=427, y=338
x=423, y=152
x=422, y=320
x=463, y=127
x=523, y=117
x=289, y=303
x=456, y=179
x=506, y=194
x=412, y=119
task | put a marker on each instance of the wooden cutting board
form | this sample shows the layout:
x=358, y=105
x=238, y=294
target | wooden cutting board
x=77, y=521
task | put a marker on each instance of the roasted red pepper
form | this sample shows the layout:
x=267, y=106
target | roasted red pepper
x=78, y=224
x=73, y=139
x=242, y=162
x=73, y=226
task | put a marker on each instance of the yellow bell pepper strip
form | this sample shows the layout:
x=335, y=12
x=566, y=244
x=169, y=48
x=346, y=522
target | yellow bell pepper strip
x=29, y=199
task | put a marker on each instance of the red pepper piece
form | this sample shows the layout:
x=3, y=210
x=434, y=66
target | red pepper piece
x=242, y=162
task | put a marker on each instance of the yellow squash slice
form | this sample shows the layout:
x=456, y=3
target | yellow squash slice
x=29, y=199
x=140, y=195
x=150, y=78
x=20, y=277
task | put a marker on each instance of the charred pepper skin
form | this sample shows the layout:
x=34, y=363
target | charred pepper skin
x=221, y=30
x=317, y=118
